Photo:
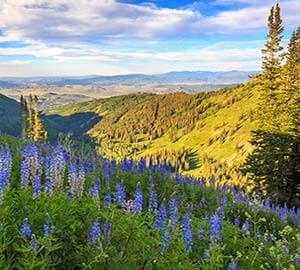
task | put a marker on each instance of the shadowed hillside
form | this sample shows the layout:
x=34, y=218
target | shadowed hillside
x=9, y=116
x=77, y=124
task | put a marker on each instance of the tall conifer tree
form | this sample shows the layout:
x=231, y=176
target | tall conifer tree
x=274, y=163
x=39, y=133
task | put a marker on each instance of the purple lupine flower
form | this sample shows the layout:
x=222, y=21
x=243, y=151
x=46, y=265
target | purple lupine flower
x=5, y=166
x=151, y=181
x=94, y=191
x=76, y=179
x=48, y=227
x=81, y=180
x=257, y=234
x=24, y=173
x=160, y=217
x=165, y=240
x=233, y=265
x=237, y=221
x=246, y=227
x=137, y=203
x=25, y=228
x=33, y=243
x=106, y=230
x=120, y=195
x=36, y=187
x=152, y=200
x=94, y=232
x=107, y=200
x=187, y=232
x=206, y=254
x=200, y=232
x=31, y=164
x=48, y=187
x=173, y=211
x=55, y=165
x=296, y=259
x=215, y=225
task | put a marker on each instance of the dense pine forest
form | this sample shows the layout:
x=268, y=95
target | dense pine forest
x=146, y=181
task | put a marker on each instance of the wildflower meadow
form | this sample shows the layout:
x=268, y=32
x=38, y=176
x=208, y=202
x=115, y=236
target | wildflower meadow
x=62, y=209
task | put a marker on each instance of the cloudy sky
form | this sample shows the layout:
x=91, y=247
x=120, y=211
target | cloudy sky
x=80, y=37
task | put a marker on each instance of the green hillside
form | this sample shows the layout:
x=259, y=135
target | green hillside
x=213, y=128
x=9, y=116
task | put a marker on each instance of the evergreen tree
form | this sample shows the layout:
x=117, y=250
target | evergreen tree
x=274, y=164
x=35, y=130
x=30, y=118
x=271, y=64
x=39, y=133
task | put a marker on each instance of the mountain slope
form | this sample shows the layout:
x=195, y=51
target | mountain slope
x=9, y=116
x=213, y=129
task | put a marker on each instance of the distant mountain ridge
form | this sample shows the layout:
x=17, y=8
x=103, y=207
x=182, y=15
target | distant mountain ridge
x=175, y=77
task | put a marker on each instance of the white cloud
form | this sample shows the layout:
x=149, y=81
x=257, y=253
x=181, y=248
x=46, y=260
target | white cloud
x=94, y=20
x=73, y=31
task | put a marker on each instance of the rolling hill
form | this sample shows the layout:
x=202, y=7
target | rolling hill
x=9, y=116
x=178, y=77
x=210, y=131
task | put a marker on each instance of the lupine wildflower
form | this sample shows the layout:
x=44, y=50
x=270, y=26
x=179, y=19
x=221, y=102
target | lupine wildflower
x=152, y=200
x=237, y=221
x=233, y=265
x=151, y=181
x=25, y=228
x=200, y=232
x=94, y=232
x=187, y=232
x=33, y=243
x=173, y=211
x=160, y=217
x=107, y=200
x=94, y=191
x=215, y=225
x=76, y=179
x=165, y=239
x=106, y=230
x=246, y=227
x=36, y=187
x=120, y=194
x=5, y=166
x=55, y=167
x=48, y=227
x=137, y=203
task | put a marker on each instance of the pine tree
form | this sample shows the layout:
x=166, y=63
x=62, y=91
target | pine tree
x=274, y=164
x=35, y=130
x=271, y=64
x=39, y=133
x=30, y=118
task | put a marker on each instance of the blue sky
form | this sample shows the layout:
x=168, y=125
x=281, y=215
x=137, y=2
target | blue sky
x=80, y=37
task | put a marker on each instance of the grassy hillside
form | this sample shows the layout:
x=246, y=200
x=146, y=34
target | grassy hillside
x=9, y=116
x=213, y=128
